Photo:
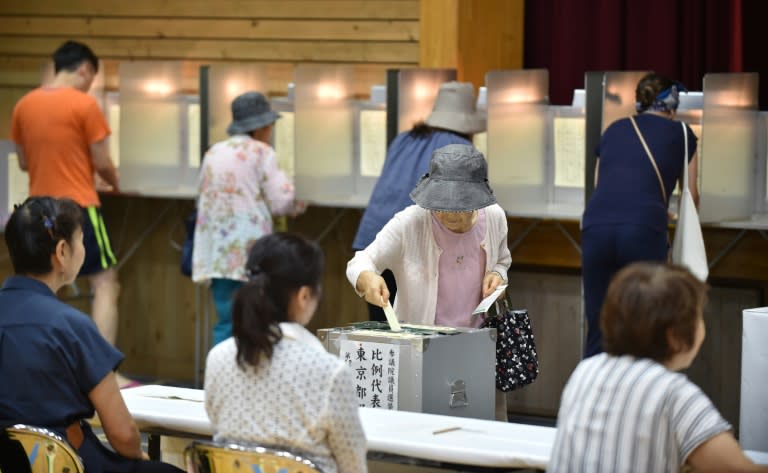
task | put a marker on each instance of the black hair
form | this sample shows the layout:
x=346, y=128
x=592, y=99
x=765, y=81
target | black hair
x=278, y=265
x=648, y=88
x=34, y=230
x=421, y=130
x=71, y=54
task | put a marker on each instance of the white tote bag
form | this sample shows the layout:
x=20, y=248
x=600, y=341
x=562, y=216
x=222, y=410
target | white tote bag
x=688, y=247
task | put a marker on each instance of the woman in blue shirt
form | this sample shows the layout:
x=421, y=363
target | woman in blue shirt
x=626, y=218
x=62, y=369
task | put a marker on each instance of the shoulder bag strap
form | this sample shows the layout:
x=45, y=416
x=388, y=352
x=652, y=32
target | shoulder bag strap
x=650, y=156
x=685, y=159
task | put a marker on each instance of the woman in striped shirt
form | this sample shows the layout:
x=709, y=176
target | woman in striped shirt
x=628, y=409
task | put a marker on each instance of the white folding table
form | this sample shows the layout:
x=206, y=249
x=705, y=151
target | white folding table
x=405, y=437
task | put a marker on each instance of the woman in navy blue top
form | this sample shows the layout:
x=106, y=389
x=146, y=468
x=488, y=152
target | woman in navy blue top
x=56, y=369
x=626, y=218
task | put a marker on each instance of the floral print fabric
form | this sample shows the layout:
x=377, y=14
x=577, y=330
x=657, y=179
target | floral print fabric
x=240, y=188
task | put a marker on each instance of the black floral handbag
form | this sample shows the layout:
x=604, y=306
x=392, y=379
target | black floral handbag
x=517, y=363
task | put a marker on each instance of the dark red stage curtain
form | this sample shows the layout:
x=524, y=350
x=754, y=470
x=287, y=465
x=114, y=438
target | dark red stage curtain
x=682, y=39
x=754, y=34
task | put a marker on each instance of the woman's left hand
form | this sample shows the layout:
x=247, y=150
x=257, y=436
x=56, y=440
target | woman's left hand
x=491, y=281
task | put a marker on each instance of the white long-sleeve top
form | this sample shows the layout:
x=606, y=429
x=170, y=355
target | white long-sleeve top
x=303, y=399
x=407, y=247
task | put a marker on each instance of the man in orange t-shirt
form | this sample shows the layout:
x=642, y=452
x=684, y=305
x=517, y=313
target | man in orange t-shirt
x=61, y=140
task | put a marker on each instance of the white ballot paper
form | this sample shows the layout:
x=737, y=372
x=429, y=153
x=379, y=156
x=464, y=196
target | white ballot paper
x=486, y=303
x=394, y=325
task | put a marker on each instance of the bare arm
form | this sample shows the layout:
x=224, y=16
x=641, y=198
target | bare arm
x=597, y=169
x=693, y=178
x=115, y=419
x=22, y=157
x=722, y=454
x=103, y=164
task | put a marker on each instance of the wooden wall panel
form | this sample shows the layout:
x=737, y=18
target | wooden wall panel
x=439, y=31
x=240, y=50
x=231, y=28
x=473, y=36
x=171, y=9
x=371, y=35
x=554, y=305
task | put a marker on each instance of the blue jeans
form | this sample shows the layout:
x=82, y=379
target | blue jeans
x=605, y=249
x=223, y=292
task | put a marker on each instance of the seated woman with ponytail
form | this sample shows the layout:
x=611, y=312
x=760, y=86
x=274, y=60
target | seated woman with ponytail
x=272, y=383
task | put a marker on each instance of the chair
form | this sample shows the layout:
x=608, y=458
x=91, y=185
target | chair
x=46, y=451
x=227, y=457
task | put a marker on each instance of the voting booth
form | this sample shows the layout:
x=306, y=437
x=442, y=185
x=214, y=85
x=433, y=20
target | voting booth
x=14, y=183
x=436, y=370
x=729, y=128
x=159, y=131
x=325, y=168
x=284, y=131
x=753, y=428
x=220, y=84
x=535, y=151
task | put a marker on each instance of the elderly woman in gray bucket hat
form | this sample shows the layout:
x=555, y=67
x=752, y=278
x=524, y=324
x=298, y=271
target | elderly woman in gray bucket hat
x=453, y=120
x=241, y=188
x=447, y=252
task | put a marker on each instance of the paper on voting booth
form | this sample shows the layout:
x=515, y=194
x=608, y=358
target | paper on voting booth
x=394, y=325
x=486, y=303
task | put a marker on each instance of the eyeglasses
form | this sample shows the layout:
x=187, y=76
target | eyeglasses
x=453, y=211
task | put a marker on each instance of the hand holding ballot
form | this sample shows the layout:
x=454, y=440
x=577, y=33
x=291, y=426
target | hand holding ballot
x=372, y=287
x=486, y=303
x=491, y=282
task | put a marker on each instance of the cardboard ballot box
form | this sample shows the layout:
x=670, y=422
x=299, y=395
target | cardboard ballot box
x=437, y=370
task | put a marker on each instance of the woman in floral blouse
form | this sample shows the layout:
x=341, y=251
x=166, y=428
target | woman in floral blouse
x=240, y=188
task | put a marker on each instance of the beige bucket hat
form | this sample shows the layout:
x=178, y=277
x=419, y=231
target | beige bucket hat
x=454, y=109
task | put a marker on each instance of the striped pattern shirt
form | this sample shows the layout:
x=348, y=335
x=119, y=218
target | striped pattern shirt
x=623, y=414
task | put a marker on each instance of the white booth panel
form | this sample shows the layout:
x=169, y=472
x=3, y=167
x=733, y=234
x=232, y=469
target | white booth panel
x=619, y=95
x=225, y=82
x=480, y=140
x=283, y=133
x=14, y=183
x=417, y=90
x=373, y=141
x=729, y=147
x=340, y=143
x=154, y=134
x=370, y=141
x=517, y=140
x=324, y=126
x=193, y=133
x=753, y=418
x=566, y=157
x=761, y=202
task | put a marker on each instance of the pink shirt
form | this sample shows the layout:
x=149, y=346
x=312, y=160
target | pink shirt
x=460, y=273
